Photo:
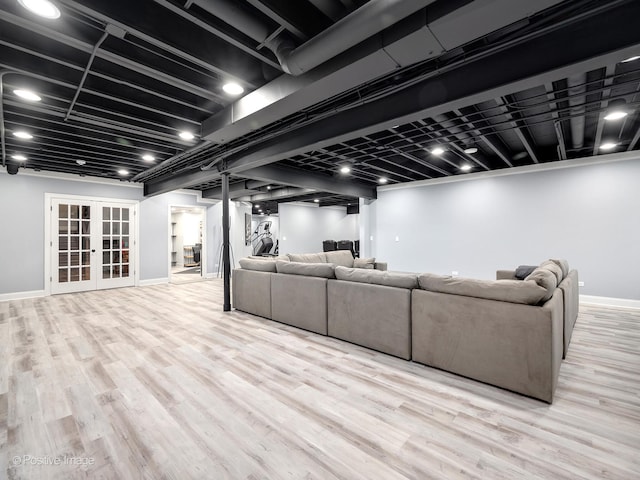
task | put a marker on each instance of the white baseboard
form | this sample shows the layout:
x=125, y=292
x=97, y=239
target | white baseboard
x=210, y=275
x=4, y=297
x=609, y=301
x=153, y=281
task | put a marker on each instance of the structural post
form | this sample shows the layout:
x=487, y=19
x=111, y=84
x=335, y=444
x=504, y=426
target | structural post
x=226, y=263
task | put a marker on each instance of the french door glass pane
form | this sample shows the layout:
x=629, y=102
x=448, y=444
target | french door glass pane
x=125, y=214
x=63, y=275
x=63, y=211
x=116, y=214
x=75, y=259
x=86, y=212
x=105, y=243
x=86, y=227
x=86, y=273
x=86, y=243
x=115, y=226
x=86, y=258
x=75, y=211
x=105, y=258
x=63, y=227
x=75, y=274
x=63, y=243
x=63, y=259
x=106, y=272
x=75, y=242
x=125, y=228
x=106, y=213
x=106, y=230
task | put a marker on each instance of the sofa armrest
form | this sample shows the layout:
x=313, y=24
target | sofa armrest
x=380, y=266
x=506, y=275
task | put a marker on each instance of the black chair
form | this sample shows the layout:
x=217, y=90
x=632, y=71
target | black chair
x=356, y=247
x=346, y=245
x=329, y=246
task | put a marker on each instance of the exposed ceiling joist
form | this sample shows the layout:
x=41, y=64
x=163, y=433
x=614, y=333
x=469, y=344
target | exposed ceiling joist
x=236, y=190
x=316, y=181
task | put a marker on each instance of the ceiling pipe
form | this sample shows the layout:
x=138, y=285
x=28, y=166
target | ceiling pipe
x=577, y=90
x=366, y=21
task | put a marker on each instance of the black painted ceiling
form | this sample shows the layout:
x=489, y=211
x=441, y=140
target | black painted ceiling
x=145, y=70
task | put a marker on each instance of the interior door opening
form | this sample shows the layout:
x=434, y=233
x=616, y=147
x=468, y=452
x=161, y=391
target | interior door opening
x=186, y=244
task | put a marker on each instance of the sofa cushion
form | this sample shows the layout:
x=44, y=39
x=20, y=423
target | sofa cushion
x=553, y=268
x=342, y=258
x=368, y=263
x=259, y=265
x=545, y=279
x=307, y=257
x=563, y=264
x=324, y=270
x=377, y=277
x=271, y=258
x=514, y=291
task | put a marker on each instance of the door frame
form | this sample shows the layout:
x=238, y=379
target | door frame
x=203, y=251
x=135, y=204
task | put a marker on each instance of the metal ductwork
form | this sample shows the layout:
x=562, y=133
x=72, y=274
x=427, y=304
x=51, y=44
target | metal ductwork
x=577, y=89
x=368, y=20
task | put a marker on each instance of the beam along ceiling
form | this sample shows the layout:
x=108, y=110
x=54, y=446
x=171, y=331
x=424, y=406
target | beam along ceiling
x=313, y=100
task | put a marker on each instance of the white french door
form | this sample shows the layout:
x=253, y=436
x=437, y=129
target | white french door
x=91, y=245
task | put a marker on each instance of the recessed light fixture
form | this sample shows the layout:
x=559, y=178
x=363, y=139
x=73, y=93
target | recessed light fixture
x=43, y=8
x=23, y=135
x=186, y=135
x=27, y=95
x=122, y=171
x=382, y=180
x=631, y=59
x=315, y=200
x=232, y=88
x=257, y=205
x=466, y=167
x=81, y=162
x=20, y=158
x=148, y=158
x=268, y=187
x=608, y=146
x=616, y=110
x=470, y=150
x=438, y=151
x=345, y=169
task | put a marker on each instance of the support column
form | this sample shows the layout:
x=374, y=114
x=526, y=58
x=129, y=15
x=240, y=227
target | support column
x=226, y=263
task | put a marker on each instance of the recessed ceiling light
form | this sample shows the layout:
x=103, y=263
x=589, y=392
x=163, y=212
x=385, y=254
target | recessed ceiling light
x=23, y=135
x=470, y=150
x=268, y=187
x=186, y=135
x=122, y=171
x=615, y=115
x=345, y=169
x=81, y=162
x=27, y=95
x=315, y=200
x=257, y=205
x=44, y=8
x=465, y=167
x=382, y=180
x=20, y=158
x=608, y=146
x=232, y=88
x=148, y=158
x=631, y=59
x=438, y=151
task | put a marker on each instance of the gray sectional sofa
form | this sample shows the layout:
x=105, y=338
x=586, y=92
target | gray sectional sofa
x=507, y=332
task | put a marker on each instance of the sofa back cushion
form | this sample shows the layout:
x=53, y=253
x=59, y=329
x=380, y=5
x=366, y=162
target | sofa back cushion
x=342, y=258
x=513, y=291
x=259, y=265
x=269, y=258
x=324, y=270
x=553, y=268
x=545, y=279
x=368, y=263
x=307, y=257
x=563, y=264
x=377, y=277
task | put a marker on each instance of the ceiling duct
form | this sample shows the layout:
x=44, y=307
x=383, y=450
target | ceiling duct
x=366, y=21
x=577, y=90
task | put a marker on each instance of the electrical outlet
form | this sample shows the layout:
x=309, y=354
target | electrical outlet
x=581, y=284
x=454, y=273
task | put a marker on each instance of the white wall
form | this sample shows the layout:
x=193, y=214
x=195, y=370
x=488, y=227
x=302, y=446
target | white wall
x=22, y=221
x=588, y=215
x=303, y=228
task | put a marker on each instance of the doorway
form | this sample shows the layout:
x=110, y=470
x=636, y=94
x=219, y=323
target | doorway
x=91, y=244
x=186, y=244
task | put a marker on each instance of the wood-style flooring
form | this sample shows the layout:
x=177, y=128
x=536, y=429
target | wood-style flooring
x=158, y=383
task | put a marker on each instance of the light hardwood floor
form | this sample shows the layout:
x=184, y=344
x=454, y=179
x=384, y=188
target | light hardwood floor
x=158, y=382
